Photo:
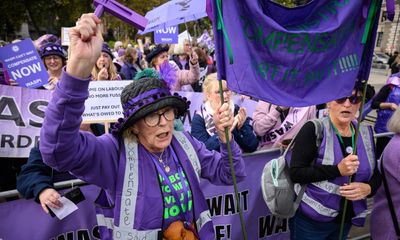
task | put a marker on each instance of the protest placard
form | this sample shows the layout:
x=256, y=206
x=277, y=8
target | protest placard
x=22, y=112
x=167, y=35
x=23, y=64
x=65, y=36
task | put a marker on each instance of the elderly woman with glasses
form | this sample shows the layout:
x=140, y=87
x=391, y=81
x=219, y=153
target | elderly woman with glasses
x=203, y=127
x=326, y=170
x=149, y=173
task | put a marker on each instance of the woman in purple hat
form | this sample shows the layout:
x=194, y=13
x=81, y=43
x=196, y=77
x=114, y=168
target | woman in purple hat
x=149, y=173
x=104, y=68
x=54, y=60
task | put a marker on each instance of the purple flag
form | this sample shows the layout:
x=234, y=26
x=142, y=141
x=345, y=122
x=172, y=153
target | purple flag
x=23, y=64
x=292, y=57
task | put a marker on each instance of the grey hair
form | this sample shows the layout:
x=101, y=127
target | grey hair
x=129, y=135
x=394, y=122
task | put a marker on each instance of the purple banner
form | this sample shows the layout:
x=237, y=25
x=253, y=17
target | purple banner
x=22, y=113
x=23, y=64
x=292, y=57
x=21, y=117
x=259, y=222
x=23, y=219
x=167, y=35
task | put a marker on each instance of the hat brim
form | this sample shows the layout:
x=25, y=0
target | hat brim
x=55, y=54
x=169, y=101
x=155, y=52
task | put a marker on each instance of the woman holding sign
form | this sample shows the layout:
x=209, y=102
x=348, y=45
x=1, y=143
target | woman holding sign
x=149, y=173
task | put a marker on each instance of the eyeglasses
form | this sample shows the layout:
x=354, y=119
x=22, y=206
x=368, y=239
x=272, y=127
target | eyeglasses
x=226, y=91
x=153, y=119
x=52, y=57
x=353, y=99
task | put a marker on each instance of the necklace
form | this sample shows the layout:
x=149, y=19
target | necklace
x=160, y=160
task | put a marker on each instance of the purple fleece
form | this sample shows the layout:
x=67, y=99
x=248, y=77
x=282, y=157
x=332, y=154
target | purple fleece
x=95, y=159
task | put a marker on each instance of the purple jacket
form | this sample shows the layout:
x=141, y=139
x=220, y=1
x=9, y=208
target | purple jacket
x=380, y=211
x=96, y=160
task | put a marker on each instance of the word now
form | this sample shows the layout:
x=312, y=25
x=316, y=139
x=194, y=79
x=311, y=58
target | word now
x=26, y=71
x=171, y=30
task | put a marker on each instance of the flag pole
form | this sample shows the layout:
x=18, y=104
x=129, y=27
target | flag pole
x=372, y=14
x=221, y=94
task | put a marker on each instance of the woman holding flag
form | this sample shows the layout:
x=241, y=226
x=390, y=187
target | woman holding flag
x=327, y=177
x=149, y=173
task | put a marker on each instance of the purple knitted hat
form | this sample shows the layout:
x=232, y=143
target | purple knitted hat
x=105, y=48
x=52, y=49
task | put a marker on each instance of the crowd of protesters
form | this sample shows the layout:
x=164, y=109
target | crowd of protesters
x=191, y=66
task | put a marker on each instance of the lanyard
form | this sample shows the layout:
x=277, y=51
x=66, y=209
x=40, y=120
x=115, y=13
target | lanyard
x=341, y=139
x=185, y=215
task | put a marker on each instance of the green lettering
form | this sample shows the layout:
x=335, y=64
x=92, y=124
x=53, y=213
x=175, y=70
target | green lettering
x=183, y=206
x=294, y=43
x=177, y=186
x=174, y=211
x=263, y=69
x=190, y=204
x=285, y=75
x=274, y=72
x=177, y=176
x=280, y=39
x=166, y=215
x=165, y=189
x=169, y=199
x=269, y=40
x=172, y=178
x=340, y=3
x=247, y=29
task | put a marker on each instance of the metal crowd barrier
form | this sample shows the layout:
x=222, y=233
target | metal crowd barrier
x=76, y=182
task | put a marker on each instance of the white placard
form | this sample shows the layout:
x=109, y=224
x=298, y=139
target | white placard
x=64, y=36
x=104, y=102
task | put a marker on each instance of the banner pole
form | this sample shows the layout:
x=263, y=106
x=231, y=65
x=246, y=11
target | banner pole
x=237, y=197
x=366, y=39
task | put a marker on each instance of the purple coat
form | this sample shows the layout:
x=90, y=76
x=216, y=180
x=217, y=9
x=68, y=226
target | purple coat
x=96, y=160
x=380, y=211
